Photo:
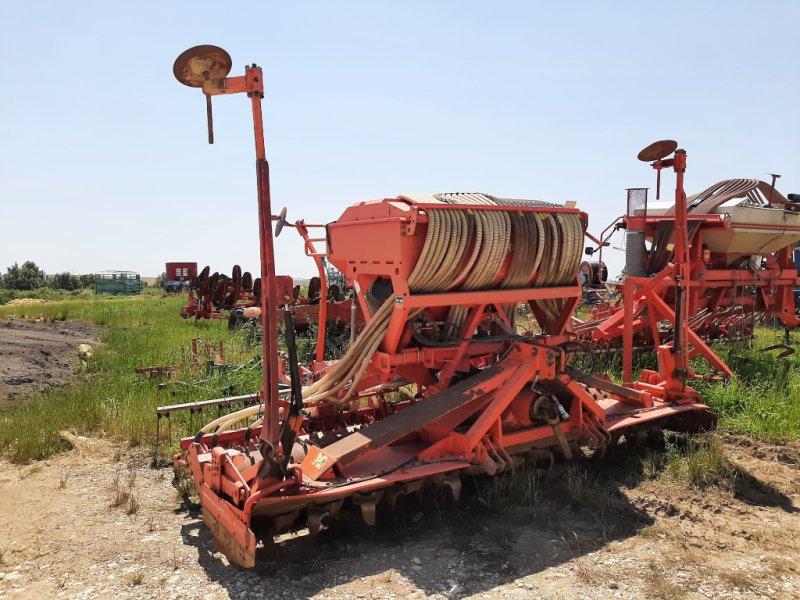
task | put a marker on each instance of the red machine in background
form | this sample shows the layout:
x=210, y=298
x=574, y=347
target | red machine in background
x=715, y=263
x=211, y=296
x=179, y=275
x=439, y=383
x=237, y=298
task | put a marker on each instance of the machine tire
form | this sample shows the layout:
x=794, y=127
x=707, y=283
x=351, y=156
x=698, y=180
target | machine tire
x=236, y=319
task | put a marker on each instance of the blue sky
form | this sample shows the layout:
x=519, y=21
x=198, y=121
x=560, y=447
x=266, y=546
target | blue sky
x=104, y=163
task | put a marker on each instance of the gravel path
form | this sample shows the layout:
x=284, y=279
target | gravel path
x=63, y=538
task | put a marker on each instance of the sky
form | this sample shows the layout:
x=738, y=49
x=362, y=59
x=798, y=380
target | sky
x=104, y=162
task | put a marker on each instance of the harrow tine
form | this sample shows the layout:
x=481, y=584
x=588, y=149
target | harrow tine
x=315, y=513
x=314, y=517
x=785, y=350
x=401, y=489
x=452, y=481
x=285, y=521
x=562, y=441
x=367, y=503
x=499, y=462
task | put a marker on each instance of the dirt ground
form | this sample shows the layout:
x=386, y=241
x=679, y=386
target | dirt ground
x=38, y=354
x=618, y=535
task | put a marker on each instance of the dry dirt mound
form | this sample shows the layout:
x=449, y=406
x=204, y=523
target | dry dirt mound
x=22, y=301
x=38, y=354
x=71, y=530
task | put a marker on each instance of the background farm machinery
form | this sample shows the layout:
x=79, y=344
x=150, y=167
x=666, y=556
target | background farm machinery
x=737, y=271
x=214, y=296
x=439, y=383
x=593, y=277
x=178, y=276
x=237, y=298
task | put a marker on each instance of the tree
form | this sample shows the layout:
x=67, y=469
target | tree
x=161, y=280
x=65, y=281
x=27, y=277
x=87, y=281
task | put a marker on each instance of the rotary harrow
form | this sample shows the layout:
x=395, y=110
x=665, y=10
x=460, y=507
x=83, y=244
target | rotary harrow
x=439, y=384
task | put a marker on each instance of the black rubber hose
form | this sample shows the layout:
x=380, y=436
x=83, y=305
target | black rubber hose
x=294, y=370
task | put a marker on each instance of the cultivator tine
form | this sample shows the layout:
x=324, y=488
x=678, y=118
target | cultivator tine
x=315, y=513
x=219, y=286
x=452, y=481
x=785, y=350
x=367, y=503
x=562, y=441
x=499, y=462
x=285, y=521
x=232, y=297
x=401, y=489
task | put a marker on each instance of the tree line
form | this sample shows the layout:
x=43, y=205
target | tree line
x=28, y=276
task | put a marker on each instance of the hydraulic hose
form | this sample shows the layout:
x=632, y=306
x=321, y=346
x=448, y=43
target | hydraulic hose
x=463, y=250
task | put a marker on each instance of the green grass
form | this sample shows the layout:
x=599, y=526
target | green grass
x=698, y=461
x=113, y=400
x=764, y=400
x=47, y=294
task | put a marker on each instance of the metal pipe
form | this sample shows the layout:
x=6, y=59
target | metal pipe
x=269, y=382
x=682, y=263
x=294, y=371
x=353, y=314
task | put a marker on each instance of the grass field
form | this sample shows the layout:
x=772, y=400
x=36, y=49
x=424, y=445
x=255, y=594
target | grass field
x=112, y=399
x=146, y=331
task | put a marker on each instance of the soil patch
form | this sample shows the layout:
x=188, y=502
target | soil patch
x=622, y=537
x=35, y=355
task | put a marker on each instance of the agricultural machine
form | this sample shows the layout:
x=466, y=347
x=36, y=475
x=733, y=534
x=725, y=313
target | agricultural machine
x=593, y=277
x=212, y=295
x=179, y=276
x=440, y=383
x=238, y=299
x=716, y=263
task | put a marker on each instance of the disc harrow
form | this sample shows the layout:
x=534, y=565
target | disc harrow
x=211, y=294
